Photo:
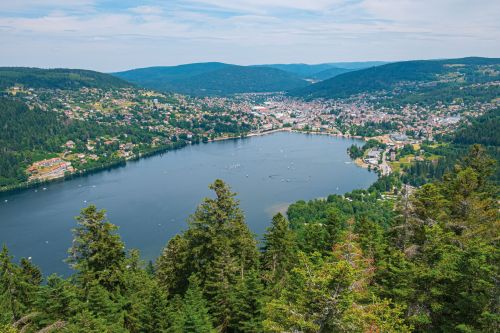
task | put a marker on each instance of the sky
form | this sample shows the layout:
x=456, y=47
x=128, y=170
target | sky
x=108, y=36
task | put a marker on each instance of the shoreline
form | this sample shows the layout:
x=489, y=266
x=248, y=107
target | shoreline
x=165, y=149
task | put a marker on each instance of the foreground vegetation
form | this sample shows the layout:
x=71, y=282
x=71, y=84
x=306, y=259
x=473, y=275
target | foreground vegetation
x=427, y=262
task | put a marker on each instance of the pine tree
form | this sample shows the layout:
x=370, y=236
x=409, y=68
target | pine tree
x=57, y=300
x=103, y=304
x=329, y=294
x=155, y=313
x=144, y=303
x=175, y=315
x=218, y=247
x=219, y=287
x=31, y=279
x=217, y=222
x=279, y=252
x=97, y=253
x=32, y=273
x=172, y=265
x=248, y=303
x=451, y=261
x=196, y=317
x=12, y=289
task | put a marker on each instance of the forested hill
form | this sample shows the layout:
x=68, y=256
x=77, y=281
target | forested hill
x=484, y=130
x=303, y=70
x=58, y=78
x=323, y=71
x=330, y=73
x=162, y=77
x=213, y=79
x=406, y=73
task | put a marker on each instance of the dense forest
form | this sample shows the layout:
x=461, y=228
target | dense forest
x=425, y=262
x=390, y=76
x=483, y=130
x=214, y=79
x=58, y=78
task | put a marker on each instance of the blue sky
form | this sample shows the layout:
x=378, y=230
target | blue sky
x=110, y=35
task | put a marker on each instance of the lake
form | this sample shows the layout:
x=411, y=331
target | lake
x=150, y=199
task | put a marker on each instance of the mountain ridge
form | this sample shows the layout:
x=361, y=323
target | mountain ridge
x=213, y=79
x=58, y=78
x=390, y=75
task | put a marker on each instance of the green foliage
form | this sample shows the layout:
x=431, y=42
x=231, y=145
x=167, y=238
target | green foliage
x=391, y=75
x=196, y=317
x=352, y=263
x=29, y=135
x=218, y=247
x=482, y=130
x=214, y=79
x=355, y=151
x=58, y=299
x=97, y=253
x=279, y=253
x=58, y=78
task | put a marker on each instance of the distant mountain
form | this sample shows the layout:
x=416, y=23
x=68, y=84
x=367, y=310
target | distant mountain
x=357, y=64
x=213, y=79
x=324, y=71
x=162, y=77
x=305, y=71
x=58, y=78
x=329, y=73
x=390, y=75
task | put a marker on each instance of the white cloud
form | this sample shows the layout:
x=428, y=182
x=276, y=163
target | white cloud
x=147, y=10
x=263, y=6
x=246, y=31
x=30, y=6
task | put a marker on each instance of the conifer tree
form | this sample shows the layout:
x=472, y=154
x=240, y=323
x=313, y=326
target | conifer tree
x=12, y=289
x=279, y=252
x=196, y=317
x=97, y=253
x=322, y=293
x=217, y=223
x=248, y=303
x=219, y=287
x=31, y=273
x=155, y=312
x=172, y=267
x=218, y=247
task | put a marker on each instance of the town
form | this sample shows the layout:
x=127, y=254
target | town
x=144, y=121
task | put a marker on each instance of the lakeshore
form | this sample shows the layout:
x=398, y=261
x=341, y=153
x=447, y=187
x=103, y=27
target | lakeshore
x=151, y=198
x=158, y=150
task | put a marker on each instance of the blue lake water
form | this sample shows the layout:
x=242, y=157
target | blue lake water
x=150, y=199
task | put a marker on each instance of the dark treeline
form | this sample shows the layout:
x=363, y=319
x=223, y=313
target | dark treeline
x=483, y=130
x=58, y=78
x=427, y=262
